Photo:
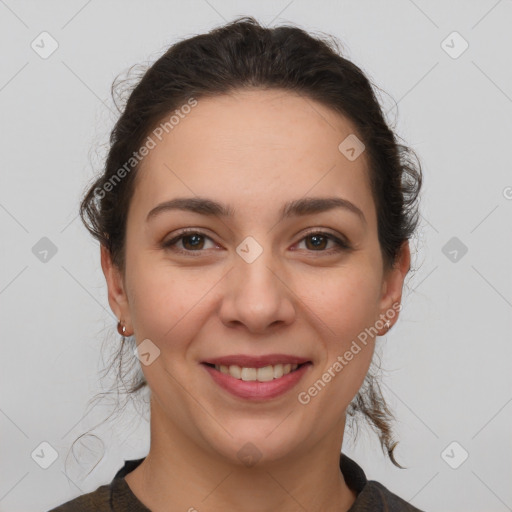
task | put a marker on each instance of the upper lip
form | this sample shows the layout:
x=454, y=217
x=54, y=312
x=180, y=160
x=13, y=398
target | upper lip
x=256, y=361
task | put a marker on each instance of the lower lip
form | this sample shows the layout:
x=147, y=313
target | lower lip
x=255, y=390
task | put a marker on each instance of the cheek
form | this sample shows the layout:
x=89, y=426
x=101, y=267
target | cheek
x=345, y=300
x=347, y=307
x=165, y=301
x=165, y=311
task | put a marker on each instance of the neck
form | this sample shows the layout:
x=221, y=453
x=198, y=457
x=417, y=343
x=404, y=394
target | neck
x=178, y=474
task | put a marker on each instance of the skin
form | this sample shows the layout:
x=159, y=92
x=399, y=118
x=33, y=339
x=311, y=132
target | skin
x=254, y=150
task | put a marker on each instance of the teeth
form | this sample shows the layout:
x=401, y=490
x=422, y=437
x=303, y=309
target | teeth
x=264, y=374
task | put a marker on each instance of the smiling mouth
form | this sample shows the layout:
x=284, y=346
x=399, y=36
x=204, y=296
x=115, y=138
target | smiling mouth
x=263, y=374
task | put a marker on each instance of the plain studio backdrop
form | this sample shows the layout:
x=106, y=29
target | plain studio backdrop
x=447, y=361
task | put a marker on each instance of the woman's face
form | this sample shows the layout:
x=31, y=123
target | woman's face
x=254, y=283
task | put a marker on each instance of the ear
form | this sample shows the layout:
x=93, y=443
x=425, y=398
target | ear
x=116, y=290
x=390, y=303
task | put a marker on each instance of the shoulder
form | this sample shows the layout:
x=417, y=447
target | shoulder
x=376, y=496
x=116, y=495
x=98, y=500
x=371, y=496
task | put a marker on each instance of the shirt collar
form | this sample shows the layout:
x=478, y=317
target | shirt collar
x=353, y=474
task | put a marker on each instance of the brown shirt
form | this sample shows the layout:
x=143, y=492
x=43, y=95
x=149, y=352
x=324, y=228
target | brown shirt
x=118, y=497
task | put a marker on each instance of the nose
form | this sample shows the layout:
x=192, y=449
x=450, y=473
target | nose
x=257, y=296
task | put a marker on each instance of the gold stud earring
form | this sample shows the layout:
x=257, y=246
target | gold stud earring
x=121, y=328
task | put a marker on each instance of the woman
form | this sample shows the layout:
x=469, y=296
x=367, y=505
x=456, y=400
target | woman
x=254, y=218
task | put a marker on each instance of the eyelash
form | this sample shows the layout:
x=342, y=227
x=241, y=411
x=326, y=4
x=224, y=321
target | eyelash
x=341, y=245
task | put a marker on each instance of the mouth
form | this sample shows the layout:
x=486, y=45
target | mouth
x=257, y=383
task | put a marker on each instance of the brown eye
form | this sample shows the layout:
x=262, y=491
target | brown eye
x=192, y=242
x=318, y=241
x=187, y=242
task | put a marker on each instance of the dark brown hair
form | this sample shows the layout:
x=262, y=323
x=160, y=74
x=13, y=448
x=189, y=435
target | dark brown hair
x=239, y=55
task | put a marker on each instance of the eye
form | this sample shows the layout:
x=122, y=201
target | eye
x=190, y=241
x=319, y=239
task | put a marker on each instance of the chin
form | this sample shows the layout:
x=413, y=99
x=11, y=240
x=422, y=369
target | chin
x=257, y=449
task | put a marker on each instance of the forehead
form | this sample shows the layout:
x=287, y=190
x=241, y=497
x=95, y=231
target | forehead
x=254, y=148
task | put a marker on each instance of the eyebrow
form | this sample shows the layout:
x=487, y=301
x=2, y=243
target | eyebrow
x=298, y=207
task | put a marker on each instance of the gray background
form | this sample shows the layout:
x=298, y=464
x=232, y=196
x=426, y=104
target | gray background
x=448, y=359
